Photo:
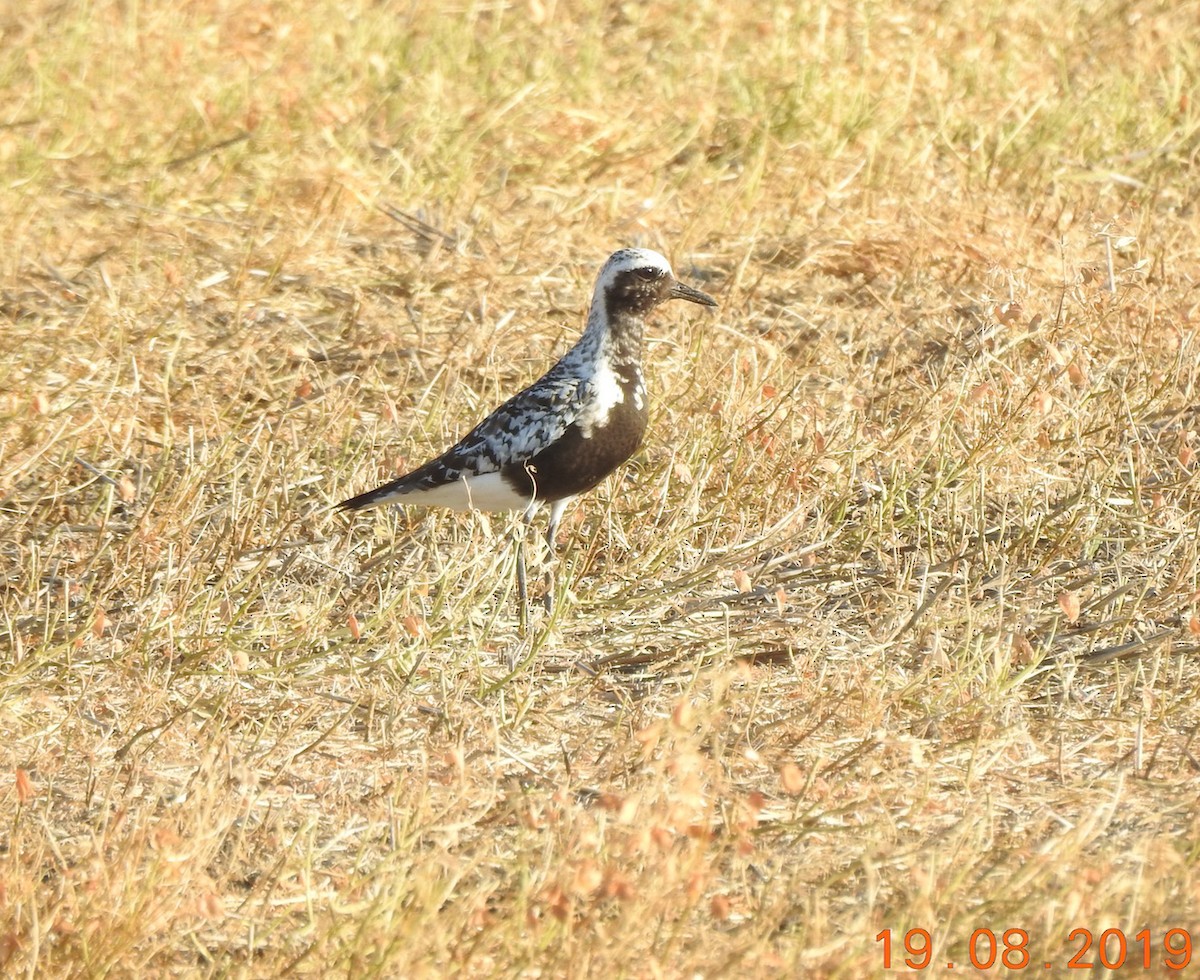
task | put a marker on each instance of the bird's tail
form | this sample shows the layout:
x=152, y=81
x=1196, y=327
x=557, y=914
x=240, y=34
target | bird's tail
x=385, y=494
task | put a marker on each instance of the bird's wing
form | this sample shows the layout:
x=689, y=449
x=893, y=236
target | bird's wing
x=515, y=432
x=520, y=428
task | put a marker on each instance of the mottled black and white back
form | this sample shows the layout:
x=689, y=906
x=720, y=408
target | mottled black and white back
x=569, y=429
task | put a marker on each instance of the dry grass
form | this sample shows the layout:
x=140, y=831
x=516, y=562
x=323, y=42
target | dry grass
x=892, y=624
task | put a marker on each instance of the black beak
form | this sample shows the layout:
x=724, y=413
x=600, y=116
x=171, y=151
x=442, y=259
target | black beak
x=682, y=291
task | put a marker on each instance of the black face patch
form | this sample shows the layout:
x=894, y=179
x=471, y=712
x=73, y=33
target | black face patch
x=638, y=291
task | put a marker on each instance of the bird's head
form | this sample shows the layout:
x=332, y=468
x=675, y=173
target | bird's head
x=635, y=280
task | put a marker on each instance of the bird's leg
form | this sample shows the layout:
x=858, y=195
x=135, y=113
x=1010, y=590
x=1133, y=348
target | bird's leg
x=556, y=512
x=522, y=585
x=522, y=589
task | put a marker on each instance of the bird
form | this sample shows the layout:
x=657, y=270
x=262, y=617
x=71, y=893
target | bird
x=563, y=434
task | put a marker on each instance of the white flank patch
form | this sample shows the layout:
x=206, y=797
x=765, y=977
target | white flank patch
x=488, y=492
x=604, y=394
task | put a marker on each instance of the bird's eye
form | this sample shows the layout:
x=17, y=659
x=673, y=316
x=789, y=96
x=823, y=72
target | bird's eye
x=648, y=273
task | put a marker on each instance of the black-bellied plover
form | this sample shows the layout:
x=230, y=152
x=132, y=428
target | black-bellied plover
x=569, y=429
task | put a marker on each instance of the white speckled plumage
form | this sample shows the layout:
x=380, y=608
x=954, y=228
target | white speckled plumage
x=571, y=427
x=581, y=390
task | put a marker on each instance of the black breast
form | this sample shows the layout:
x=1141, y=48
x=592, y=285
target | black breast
x=575, y=462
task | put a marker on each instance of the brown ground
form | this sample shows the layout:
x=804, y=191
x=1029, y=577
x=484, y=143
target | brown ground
x=891, y=626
